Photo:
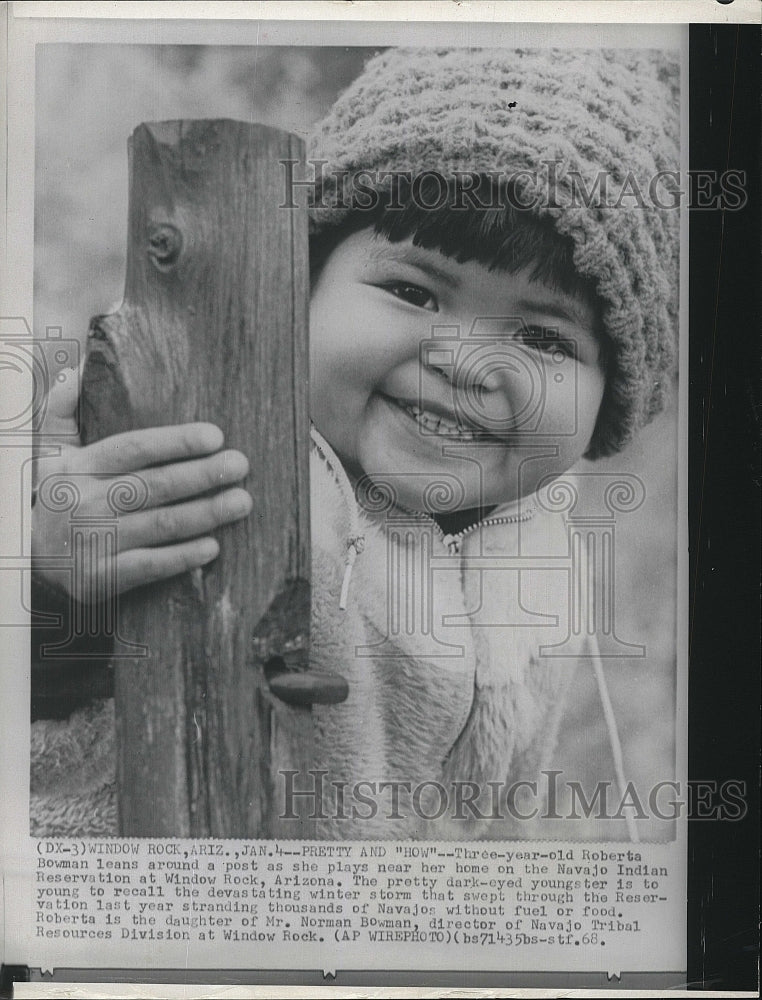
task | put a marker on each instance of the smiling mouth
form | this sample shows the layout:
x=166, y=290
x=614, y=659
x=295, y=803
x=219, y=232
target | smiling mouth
x=435, y=423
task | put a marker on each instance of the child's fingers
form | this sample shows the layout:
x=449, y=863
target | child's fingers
x=161, y=525
x=141, y=566
x=132, y=451
x=169, y=483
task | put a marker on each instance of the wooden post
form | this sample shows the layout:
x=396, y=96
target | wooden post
x=213, y=327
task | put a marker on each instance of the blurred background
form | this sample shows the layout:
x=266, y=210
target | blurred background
x=91, y=97
x=89, y=100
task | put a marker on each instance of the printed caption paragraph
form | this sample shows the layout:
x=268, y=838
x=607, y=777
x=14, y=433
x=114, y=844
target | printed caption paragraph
x=352, y=900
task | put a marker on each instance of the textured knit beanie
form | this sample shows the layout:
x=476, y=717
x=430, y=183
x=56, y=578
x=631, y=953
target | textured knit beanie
x=510, y=111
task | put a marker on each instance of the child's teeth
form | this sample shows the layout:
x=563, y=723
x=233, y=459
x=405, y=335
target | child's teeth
x=438, y=425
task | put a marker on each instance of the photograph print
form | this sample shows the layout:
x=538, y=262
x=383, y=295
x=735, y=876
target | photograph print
x=354, y=511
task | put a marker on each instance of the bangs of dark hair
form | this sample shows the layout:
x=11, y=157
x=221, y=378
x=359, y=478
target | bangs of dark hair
x=481, y=223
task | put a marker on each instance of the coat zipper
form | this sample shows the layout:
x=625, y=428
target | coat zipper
x=356, y=540
x=453, y=542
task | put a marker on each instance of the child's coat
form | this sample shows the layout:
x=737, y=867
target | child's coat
x=446, y=679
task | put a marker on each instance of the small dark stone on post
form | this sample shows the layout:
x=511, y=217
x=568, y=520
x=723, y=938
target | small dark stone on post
x=307, y=687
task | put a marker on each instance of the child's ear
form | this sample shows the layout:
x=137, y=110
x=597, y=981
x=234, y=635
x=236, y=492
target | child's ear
x=596, y=446
x=606, y=356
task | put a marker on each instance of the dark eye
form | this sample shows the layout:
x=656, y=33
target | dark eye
x=545, y=340
x=413, y=294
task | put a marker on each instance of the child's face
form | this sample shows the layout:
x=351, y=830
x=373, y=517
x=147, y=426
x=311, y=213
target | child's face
x=497, y=407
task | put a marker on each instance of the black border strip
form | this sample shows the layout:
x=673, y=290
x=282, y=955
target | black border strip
x=724, y=508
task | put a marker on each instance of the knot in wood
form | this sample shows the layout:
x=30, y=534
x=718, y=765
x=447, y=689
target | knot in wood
x=164, y=243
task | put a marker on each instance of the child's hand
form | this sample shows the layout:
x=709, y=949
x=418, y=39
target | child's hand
x=177, y=464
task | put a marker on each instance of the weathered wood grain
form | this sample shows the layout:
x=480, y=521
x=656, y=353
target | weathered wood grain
x=213, y=327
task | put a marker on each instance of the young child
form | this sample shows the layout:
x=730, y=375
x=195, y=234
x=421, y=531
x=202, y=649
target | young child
x=494, y=297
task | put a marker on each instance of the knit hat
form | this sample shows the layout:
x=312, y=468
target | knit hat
x=529, y=114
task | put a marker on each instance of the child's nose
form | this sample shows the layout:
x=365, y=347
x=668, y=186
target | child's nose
x=495, y=378
x=493, y=368
x=497, y=382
